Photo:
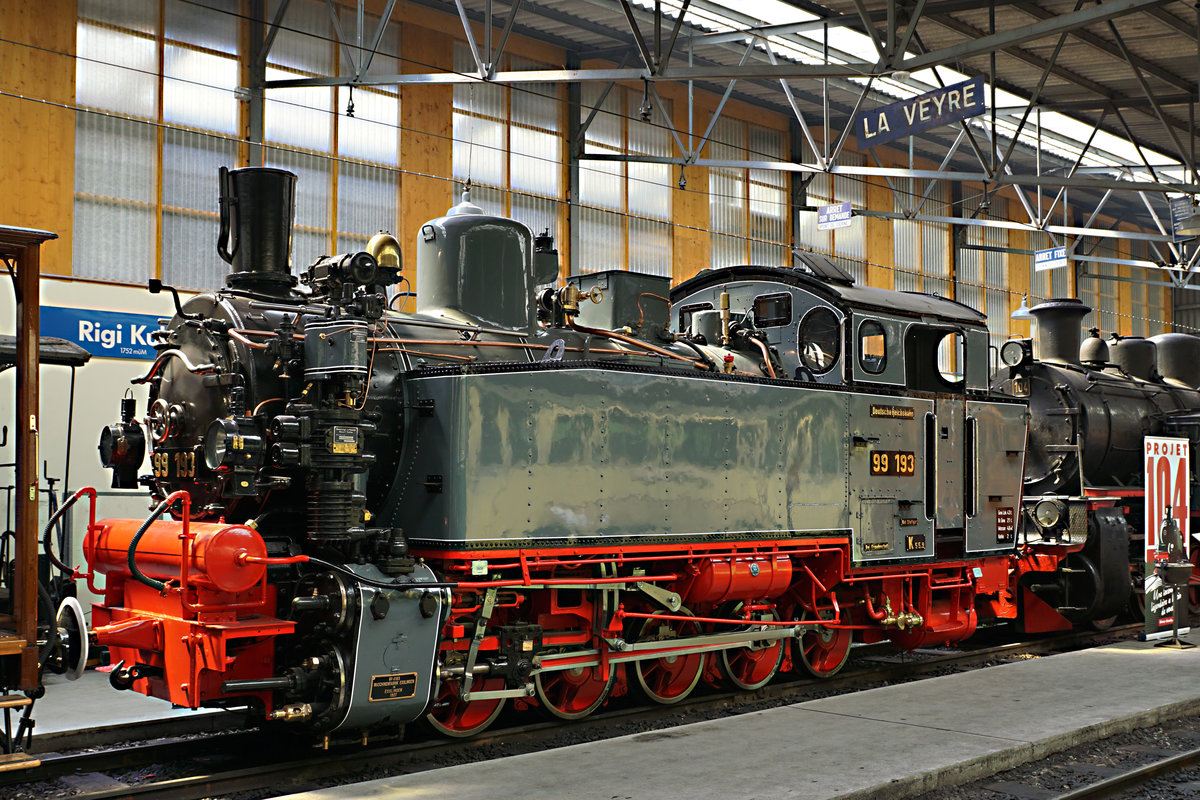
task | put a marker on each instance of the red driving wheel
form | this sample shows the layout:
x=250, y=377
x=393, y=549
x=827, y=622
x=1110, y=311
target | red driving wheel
x=670, y=678
x=573, y=693
x=452, y=716
x=820, y=650
x=752, y=667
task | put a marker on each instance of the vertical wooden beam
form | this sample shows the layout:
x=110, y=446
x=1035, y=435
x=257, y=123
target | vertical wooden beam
x=426, y=143
x=880, y=243
x=691, y=243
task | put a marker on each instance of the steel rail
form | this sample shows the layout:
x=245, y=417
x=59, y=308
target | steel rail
x=1134, y=777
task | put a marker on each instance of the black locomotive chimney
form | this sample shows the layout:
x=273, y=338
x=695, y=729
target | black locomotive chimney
x=1059, y=329
x=258, y=205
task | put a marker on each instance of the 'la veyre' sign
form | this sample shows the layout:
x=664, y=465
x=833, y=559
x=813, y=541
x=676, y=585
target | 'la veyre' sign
x=920, y=113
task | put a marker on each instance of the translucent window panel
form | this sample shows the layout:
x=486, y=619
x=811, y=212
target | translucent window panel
x=114, y=225
x=539, y=213
x=907, y=281
x=313, y=181
x=113, y=241
x=366, y=201
x=114, y=158
x=727, y=250
x=373, y=133
x=1090, y=298
x=189, y=250
x=850, y=242
x=139, y=16
x=536, y=105
x=606, y=129
x=488, y=99
x=534, y=161
x=935, y=248
x=768, y=206
x=650, y=246
x=191, y=162
x=298, y=117
x=817, y=193
x=479, y=150
x=602, y=183
x=116, y=71
x=1157, y=303
x=1138, y=302
x=307, y=246
x=212, y=24
x=305, y=40
x=600, y=241
x=906, y=244
x=649, y=137
x=727, y=210
x=767, y=253
x=971, y=270
x=198, y=90
x=650, y=190
x=728, y=140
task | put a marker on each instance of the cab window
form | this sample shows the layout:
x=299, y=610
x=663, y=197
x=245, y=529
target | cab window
x=872, y=347
x=819, y=340
x=773, y=310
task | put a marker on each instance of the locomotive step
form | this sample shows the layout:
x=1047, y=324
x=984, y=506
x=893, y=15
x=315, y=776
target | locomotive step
x=14, y=701
x=11, y=762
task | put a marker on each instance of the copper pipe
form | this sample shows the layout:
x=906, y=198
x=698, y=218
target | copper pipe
x=422, y=353
x=762, y=348
x=629, y=340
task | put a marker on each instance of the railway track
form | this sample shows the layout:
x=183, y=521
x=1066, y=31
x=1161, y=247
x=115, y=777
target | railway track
x=1133, y=779
x=245, y=762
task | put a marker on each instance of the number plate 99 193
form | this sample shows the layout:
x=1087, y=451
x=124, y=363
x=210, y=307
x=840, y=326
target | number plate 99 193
x=893, y=462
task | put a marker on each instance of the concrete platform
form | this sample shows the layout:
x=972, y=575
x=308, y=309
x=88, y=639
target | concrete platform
x=892, y=742
x=89, y=710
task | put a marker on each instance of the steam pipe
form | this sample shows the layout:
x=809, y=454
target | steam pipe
x=629, y=340
x=762, y=348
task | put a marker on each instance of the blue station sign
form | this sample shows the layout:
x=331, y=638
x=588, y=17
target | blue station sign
x=833, y=216
x=107, y=334
x=920, y=113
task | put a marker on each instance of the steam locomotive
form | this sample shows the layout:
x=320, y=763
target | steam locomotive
x=1091, y=404
x=547, y=495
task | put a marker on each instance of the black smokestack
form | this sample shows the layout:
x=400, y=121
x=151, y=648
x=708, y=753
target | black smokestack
x=258, y=206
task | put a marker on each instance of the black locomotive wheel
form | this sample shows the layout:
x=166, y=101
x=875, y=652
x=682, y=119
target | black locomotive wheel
x=822, y=651
x=671, y=678
x=452, y=716
x=573, y=693
x=753, y=666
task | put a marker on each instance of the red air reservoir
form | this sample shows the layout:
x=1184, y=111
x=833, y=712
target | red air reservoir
x=220, y=557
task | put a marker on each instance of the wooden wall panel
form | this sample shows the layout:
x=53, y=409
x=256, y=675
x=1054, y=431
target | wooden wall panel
x=426, y=146
x=38, y=138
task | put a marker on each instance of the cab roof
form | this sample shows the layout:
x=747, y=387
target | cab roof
x=838, y=292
